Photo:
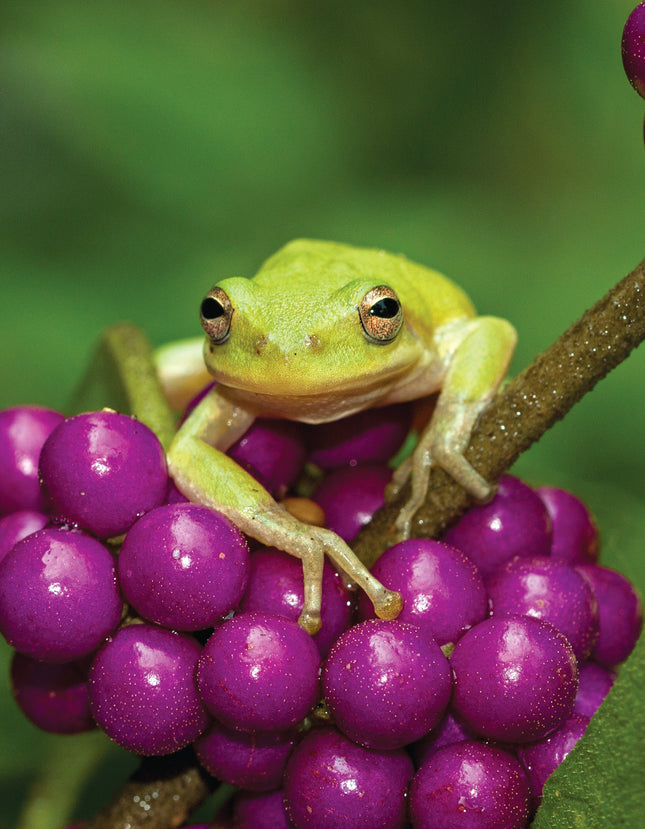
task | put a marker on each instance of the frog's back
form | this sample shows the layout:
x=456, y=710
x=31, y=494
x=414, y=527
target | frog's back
x=429, y=298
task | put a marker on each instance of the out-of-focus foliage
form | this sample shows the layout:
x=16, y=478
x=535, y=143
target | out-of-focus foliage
x=148, y=148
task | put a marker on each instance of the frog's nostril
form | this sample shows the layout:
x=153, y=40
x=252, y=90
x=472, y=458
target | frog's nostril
x=312, y=341
x=260, y=344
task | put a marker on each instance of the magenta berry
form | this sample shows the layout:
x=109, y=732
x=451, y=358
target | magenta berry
x=183, y=566
x=260, y=810
x=515, y=678
x=547, y=589
x=273, y=451
x=59, y=598
x=254, y=762
x=442, y=590
x=142, y=690
x=275, y=586
x=331, y=781
x=23, y=431
x=350, y=496
x=633, y=49
x=18, y=525
x=101, y=471
x=515, y=522
x=386, y=683
x=574, y=537
x=594, y=683
x=259, y=672
x=470, y=785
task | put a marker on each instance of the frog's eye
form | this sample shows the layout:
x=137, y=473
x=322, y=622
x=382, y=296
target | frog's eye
x=381, y=314
x=216, y=313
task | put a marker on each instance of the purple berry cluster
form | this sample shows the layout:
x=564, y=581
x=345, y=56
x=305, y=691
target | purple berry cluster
x=150, y=617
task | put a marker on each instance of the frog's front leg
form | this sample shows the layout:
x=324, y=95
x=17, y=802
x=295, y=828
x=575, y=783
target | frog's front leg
x=208, y=476
x=476, y=367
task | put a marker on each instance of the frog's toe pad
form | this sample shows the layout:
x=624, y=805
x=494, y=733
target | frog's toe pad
x=389, y=605
x=310, y=621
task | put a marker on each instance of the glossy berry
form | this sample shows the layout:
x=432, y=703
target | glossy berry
x=254, y=762
x=273, y=451
x=470, y=785
x=620, y=614
x=373, y=437
x=101, y=471
x=59, y=597
x=142, y=690
x=386, y=684
x=449, y=730
x=260, y=810
x=547, y=589
x=442, y=590
x=183, y=566
x=515, y=678
x=574, y=538
x=515, y=523
x=52, y=697
x=259, y=672
x=541, y=758
x=334, y=783
x=594, y=683
x=18, y=525
x=23, y=431
x=633, y=49
x=275, y=585
x=350, y=496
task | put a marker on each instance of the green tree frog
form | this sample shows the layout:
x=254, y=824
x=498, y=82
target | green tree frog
x=325, y=330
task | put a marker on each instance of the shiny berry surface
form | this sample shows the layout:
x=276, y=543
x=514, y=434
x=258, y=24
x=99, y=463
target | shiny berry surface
x=442, y=590
x=59, y=597
x=142, y=690
x=515, y=522
x=23, y=431
x=574, y=535
x=515, y=678
x=101, y=471
x=273, y=451
x=386, y=683
x=334, y=783
x=259, y=672
x=547, y=589
x=183, y=566
x=470, y=785
x=260, y=810
x=594, y=683
x=633, y=49
x=254, y=762
x=276, y=586
x=350, y=496
x=18, y=525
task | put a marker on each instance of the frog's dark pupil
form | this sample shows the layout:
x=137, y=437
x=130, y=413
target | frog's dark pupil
x=385, y=308
x=211, y=308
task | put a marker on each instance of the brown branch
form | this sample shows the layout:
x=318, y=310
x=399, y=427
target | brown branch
x=541, y=395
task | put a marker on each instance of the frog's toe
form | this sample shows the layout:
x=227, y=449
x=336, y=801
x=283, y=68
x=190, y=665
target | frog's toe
x=388, y=605
x=310, y=621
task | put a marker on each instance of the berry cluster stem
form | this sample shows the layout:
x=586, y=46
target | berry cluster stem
x=165, y=790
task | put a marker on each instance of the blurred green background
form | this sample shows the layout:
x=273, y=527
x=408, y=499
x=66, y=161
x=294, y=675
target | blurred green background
x=150, y=148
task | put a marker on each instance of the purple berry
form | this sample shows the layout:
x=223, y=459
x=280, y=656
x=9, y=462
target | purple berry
x=633, y=49
x=260, y=810
x=516, y=522
x=23, y=430
x=472, y=786
x=620, y=614
x=594, y=683
x=541, y=758
x=350, y=496
x=52, y=697
x=101, y=471
x=331, y=781
x=254, y=762
x=372, y=436
x=386, y=683
x=448, y=731
x=275, y=586
x=574, y=537
x=259, y=672
x=18, y=525
x=59, y=598
x=183, y=566
x=515, y=678
x=442, y=590
x=142, y=690
x=551, y=590
x=273, y=451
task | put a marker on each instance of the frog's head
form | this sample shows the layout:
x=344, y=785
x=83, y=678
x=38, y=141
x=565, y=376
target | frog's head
x=321, y=331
